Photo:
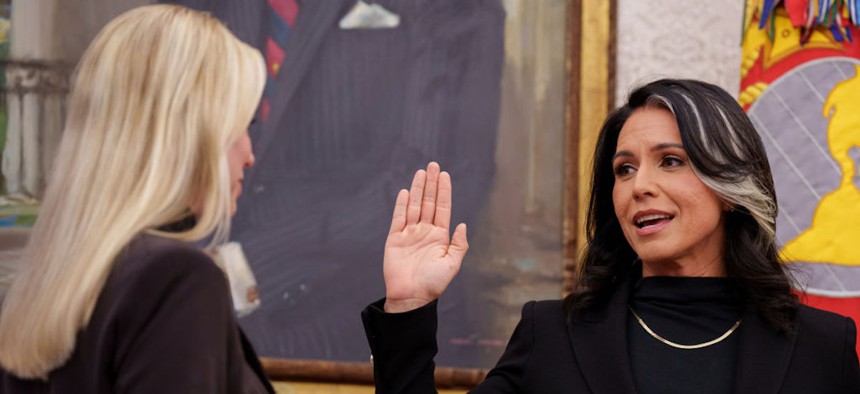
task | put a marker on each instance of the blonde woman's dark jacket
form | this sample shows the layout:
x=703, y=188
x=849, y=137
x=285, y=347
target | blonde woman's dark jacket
x=163, y=323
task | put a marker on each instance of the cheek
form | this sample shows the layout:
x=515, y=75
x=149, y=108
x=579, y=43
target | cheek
x=234, y=167
x=619, y=202
x=708, y=207
x=703, y=208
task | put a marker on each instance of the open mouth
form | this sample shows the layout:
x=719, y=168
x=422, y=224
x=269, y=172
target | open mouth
x=647, y=221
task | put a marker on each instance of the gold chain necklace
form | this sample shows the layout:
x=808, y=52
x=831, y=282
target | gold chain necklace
x=678, y=345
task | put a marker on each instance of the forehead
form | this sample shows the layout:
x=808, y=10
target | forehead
x=648, y=126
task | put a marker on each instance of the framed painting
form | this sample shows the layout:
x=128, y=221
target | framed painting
x=556, y=88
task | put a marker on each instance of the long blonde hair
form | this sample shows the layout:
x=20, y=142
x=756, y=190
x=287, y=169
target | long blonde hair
x=157, y=99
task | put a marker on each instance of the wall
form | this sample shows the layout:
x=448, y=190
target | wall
x=678, y=39
x=77, y=23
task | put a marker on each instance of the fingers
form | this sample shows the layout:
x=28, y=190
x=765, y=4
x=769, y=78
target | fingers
x=416, y=194
x=442, y=217
x=459, y=243
x=428, y=204
x=398, y=219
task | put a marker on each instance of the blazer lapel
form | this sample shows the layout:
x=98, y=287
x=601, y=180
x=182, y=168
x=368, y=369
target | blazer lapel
x=315, y=19
x=763, y=356
x=599, y=341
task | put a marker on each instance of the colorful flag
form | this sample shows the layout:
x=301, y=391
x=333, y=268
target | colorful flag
x=800, y=86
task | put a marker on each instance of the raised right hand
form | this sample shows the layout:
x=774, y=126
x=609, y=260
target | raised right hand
x=420, y=260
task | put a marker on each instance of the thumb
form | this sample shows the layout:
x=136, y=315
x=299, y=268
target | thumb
x=459, y=243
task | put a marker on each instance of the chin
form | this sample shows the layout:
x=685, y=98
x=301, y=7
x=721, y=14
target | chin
x=656, y=260
x=649, y=251
x=655, y=255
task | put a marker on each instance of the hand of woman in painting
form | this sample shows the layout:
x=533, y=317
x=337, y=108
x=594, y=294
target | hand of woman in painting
x=420, y=260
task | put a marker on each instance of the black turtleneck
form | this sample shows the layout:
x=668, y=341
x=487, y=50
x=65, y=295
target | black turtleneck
x=686, y=311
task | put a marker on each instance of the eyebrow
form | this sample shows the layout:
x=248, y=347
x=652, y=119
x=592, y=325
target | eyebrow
x=656, y=148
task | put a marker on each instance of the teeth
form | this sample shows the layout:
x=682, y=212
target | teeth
x=646, y=218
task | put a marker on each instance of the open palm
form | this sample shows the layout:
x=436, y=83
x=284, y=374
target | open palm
x=420, y=259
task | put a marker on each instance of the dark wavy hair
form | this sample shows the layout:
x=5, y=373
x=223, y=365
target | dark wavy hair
x=727, y=154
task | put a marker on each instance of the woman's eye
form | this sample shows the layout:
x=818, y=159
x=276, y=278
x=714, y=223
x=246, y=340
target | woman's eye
x=623, y=169
x=672, y=161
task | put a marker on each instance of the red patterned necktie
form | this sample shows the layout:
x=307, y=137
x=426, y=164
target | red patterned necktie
x=283, y=17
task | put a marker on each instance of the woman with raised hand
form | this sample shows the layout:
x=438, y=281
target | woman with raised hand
x=113, y=296
x=681, y=288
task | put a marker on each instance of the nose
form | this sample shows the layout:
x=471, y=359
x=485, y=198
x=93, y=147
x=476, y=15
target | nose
x=248, y=147
x=250, y=160
x=644, y=183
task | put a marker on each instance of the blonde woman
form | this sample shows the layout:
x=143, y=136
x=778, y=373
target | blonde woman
x=112, y=296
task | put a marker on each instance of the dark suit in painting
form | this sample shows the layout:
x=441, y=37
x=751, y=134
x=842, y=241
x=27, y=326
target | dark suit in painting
x=353, y=114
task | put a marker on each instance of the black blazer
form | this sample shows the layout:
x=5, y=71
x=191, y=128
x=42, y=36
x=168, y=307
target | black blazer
x=163, y=323
x=546, y=355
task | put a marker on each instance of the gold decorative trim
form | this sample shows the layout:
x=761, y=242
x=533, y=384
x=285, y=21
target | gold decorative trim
x=751, y=93
x=593, y=94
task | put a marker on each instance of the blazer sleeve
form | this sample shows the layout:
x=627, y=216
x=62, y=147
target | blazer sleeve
x=851, y=365
x=177, y=322
x=404, y=344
